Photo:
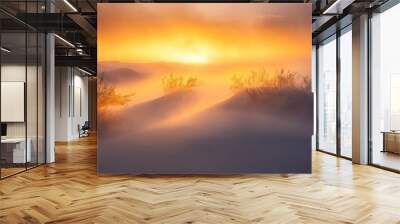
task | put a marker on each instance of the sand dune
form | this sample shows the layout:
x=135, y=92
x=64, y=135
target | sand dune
x=137, y=117
x=289, y=101
x=122, y=76
x=270, y=128
x=262, y=132
x=285, y=112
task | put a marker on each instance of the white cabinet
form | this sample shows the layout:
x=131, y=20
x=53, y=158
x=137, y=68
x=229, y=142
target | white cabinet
x=19, y=155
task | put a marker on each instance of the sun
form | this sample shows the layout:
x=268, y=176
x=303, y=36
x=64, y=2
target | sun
x=193, y=58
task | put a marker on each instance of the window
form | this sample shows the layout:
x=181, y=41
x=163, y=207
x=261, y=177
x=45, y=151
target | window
x=346, y=92
x=327, y=95
x=385, y=89
x=314, y=90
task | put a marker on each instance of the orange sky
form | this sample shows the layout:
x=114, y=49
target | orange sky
x=211, y=42
x=204, y=33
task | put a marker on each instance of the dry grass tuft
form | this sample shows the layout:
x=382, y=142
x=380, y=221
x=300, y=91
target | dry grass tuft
x=262, y=81
x=108, y=96
x=172, y=83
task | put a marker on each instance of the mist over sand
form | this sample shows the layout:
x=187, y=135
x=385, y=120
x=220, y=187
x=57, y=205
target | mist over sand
x=176, y=132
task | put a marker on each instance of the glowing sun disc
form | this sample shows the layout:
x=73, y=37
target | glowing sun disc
x=193, y=58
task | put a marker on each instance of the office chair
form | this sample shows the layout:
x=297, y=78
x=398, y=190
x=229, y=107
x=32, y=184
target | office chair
x=84, y=130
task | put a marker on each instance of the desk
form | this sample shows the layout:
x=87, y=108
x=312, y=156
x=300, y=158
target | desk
x=15, y=148
x=391, y=141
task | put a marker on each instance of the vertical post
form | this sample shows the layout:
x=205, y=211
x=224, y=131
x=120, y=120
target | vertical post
x=360, y=89
x=50, y=92
x=313, y=89
x=26, y=88
x=0, y=95
x=370, y=111
x=92, y=101
x=338, y=91
x=316, y=97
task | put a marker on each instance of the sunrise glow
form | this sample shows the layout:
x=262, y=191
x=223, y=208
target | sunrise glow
x=202, y=36
x=205, y=48
x=193, y=58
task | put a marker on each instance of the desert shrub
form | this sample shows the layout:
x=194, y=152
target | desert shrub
x=173, y=82
x=108, y=96
x=306, y=83
x=262, y=81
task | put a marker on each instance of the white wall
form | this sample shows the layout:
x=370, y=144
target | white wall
x=33, y=127
x=13, y=101
x=80, y=109
x=62, y=82
x=71, y=102
x=14, y=73
x=17, y=73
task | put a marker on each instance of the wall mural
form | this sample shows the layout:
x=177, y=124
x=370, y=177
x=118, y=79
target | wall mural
x=204, y=88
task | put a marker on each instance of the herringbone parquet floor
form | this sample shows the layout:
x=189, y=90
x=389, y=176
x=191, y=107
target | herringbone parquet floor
x=70, y=191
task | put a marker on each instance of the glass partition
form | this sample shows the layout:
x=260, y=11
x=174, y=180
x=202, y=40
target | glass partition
x=14, y=153
x=31, y=99
x=22, y=78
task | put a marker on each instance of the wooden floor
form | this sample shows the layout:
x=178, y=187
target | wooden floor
x=70, y=191
x=5, y=172
x=387, y=159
